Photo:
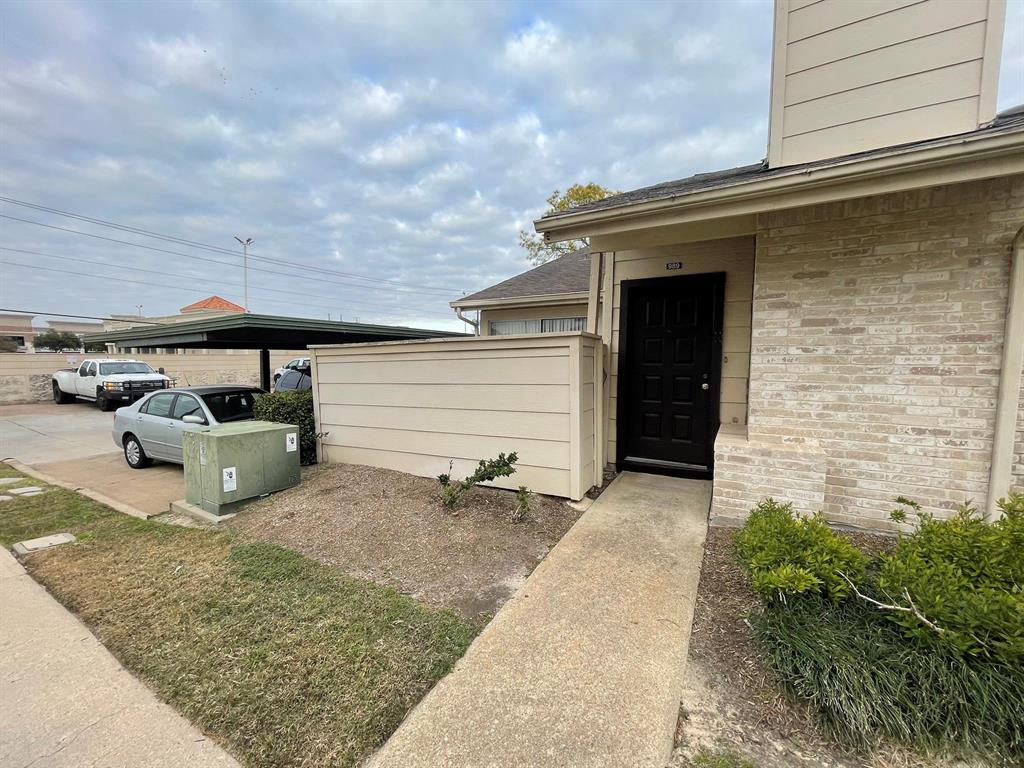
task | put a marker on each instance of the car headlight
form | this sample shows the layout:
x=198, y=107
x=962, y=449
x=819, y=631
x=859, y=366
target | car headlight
x=112, y=385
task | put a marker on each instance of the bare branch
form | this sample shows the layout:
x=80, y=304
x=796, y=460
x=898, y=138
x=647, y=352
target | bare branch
x=912, y=609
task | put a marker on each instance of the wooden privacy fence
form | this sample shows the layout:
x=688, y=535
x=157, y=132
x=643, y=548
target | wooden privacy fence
x=413, y=406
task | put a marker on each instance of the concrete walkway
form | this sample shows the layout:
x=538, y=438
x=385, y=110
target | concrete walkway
x=584, y=666
x=65, y=701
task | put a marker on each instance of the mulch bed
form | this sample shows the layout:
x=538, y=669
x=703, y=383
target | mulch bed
x=390, y=527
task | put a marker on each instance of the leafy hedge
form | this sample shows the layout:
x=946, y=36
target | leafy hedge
x=789, y=555
x=966, y=576
x=924, y=645
x=292, y=407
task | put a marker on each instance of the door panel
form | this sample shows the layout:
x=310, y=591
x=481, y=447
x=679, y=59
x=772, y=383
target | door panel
x=154, y=425
x=185, y=405
x=669, y=372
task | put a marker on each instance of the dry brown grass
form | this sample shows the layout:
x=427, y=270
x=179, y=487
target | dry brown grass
x=282, y=659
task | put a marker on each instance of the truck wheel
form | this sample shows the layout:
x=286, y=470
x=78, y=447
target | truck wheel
x=133, y=453
x=60, y=396
x=103, y=403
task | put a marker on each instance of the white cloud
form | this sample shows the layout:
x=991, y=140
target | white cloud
x=538, y=47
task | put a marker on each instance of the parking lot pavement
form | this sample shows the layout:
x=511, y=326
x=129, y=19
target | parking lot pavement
x=72, y=443
x=44, y=432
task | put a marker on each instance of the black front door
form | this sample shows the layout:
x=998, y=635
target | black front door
x=669, y=371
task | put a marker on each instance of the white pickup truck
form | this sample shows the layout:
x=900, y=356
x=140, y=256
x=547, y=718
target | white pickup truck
x=110, y=383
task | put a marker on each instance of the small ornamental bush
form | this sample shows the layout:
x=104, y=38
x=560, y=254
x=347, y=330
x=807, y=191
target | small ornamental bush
x=292, y=407
x=787, y=555
x=964, y=575
x=452, y=491
x=522, y=508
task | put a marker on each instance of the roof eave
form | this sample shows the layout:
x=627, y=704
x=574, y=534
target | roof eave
x=954, y=151
x=536, y=300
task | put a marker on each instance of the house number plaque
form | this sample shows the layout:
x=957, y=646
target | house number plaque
x=674, y=265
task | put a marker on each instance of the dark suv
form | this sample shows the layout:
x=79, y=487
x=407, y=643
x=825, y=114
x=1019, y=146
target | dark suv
x=297, y=379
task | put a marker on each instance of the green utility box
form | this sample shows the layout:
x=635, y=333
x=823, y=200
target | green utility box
x=231, y=463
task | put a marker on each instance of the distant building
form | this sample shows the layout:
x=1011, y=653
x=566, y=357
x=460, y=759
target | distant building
x=18, y=328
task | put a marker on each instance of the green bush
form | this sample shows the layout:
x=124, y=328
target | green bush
x=787, y=555
x=868, y=683
x=292, y=407
x=452, y=491
x=967, y=577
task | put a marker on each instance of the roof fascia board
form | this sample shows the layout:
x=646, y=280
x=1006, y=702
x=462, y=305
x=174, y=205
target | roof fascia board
x=962, y=160
x=540, y=300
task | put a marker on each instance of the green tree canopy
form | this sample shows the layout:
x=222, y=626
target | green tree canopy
x=58, y=341
x=541, y=252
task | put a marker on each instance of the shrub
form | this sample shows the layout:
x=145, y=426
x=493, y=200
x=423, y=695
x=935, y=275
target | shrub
x=787, y=555
x=487, y=470
x=296, y=408
x=868, y=683
x=967, y=577
x=522, y=508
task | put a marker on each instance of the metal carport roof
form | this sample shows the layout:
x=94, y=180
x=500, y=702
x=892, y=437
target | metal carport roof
x=262, y=332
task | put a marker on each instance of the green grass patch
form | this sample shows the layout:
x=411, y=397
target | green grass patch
x=284, y=660
x=55, y=511
x=721, y=758
x=868, y=683
x=6, y=470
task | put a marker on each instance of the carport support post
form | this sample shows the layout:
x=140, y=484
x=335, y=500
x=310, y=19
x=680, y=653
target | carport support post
x=265, y=369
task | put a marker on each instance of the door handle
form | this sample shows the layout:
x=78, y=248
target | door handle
x=705, y=386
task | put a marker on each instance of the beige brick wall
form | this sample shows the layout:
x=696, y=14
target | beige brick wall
x=875, y=352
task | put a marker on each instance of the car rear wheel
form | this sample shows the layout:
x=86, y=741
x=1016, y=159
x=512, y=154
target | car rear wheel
x=60, y=396
x=133, y=453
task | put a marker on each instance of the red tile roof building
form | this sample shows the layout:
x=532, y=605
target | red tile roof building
x=213, y=303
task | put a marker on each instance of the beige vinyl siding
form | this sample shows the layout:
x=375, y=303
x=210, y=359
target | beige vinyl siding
x=733, y=256
x=413, y=406
x=487, y=316
x=853, y=76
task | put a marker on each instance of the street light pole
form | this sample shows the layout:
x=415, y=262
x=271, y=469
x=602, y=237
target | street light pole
x=245, y=266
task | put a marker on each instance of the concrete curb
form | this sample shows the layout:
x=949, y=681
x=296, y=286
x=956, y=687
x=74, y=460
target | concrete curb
x=118, y=506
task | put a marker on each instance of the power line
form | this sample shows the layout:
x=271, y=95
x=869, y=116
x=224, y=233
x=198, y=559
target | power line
x=368, y=306
x=106, y=278
x=207, y=246
x=206, y=259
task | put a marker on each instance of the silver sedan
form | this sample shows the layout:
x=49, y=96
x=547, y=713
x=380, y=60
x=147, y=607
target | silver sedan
x=151, y=427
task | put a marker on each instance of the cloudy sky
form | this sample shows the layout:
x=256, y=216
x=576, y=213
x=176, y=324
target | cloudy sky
x=406, y=143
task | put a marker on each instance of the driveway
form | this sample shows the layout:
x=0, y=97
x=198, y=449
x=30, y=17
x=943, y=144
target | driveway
x=72, y=443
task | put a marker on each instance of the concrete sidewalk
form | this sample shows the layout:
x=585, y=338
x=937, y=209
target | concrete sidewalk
x=65, y=701
x=584, y=666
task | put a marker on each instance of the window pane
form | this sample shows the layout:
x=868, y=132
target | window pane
x=563, y=324
x=160, y=405
x=230, y=406
x=108, y=369
x=514, y=327
x=186, y=405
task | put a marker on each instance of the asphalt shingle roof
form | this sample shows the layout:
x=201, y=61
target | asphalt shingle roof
x=567, y=274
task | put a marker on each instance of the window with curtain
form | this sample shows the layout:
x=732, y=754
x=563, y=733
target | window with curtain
x=547, y=325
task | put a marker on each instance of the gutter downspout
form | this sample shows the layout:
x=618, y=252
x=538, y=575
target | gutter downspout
x=1008, y=399
x=463, y=318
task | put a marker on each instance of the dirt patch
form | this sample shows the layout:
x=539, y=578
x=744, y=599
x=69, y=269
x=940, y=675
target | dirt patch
x=390, y=527
x=730, y=699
